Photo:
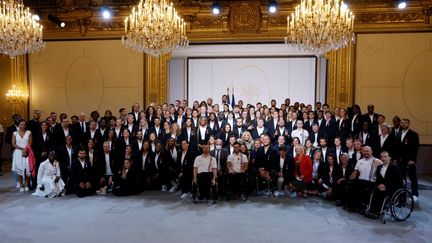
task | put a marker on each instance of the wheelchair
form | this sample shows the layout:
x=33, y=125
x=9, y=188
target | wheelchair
x=244, y=182
x=399, y=206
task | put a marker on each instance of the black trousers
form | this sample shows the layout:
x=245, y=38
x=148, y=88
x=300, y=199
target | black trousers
x=204, y=181
x=340, y=191
x=83, y=192
x=358, y=193
x=237, y=183
x=186, y=182
x=378, y=199
x=411, y=171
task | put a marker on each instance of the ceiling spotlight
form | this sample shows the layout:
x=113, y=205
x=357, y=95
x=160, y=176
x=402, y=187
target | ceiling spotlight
x=272, y=6
x=56, y=21
x=216, y=8
x=402, y=4
x=106, y=13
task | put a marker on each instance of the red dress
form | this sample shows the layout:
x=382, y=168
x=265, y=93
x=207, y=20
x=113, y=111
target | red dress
x=304, y=169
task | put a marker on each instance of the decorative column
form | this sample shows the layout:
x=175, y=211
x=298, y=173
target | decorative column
x=19, y=105
x=340, y=78
x=156, y=79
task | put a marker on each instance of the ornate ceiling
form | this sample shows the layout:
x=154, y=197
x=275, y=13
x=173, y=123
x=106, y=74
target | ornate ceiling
x=239, y=21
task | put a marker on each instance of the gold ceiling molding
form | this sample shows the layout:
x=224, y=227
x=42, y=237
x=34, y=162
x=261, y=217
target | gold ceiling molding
x=242, y=21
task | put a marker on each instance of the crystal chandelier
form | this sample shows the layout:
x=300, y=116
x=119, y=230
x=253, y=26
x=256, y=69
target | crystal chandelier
x=16, y=96
x=155, y=28
x=320, y=26
x=20, y=33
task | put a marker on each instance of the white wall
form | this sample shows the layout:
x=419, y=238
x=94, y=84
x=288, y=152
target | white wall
x=272, y=63
x=253, y=79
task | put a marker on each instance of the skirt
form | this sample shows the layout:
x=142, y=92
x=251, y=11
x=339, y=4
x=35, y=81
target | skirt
x=20, y=164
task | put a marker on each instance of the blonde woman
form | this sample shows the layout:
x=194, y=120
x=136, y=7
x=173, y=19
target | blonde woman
x=247, y=140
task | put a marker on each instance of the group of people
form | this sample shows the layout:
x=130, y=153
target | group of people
x=210, y=151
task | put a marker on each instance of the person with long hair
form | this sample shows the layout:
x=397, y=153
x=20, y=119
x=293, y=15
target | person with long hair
x=21, y=142
x=302, y=172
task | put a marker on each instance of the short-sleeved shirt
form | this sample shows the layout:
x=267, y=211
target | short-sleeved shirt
x=237, y=160
x=367, y=168
x=205, y=163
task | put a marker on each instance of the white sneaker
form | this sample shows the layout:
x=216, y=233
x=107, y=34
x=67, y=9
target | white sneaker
x=173, y=189
x=276, y=194
x=21, y=189
x=18, y=185
x=184, y=195
x=416, y=199
x=164, y=188
x=26, y=189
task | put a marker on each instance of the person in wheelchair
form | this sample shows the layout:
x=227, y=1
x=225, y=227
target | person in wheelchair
x=204, y=175
x=302, y=180
x=237, y=164
x=221, y=156
x=388, y=181
x=283, y=171
x=362, y=181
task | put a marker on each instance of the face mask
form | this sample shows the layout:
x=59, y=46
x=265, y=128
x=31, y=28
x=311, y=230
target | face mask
x=218, y=147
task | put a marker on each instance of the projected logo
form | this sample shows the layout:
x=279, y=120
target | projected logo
x=251, y=85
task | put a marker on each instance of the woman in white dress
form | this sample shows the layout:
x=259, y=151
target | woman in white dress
x=49, y=182
x=21, y=142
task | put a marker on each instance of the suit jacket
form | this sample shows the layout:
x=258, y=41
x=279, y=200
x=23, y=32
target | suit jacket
x=159, y=134
x=60, y=138
x=215, y=129
x=80, y=174
x=192, y=139
x=343, y=129
x=64, y=158
x=276, y=133
x=388, y=146
x=97, y=137
x=270, y=126
x=207, y=135
x=265, y=159
x=330, y=130
x=348, y=171
x=238, y=131
x=355, y=124
x=136, y=118
x=100, y=166
x=224, y=137
x=134, y=129
x=149, y=168
x=223, y=157
x=392, y=178
x=255, y=134
x=373, y=125
x=9, y=131
x=42, y=145
x=187, y=166
x=312, y=136
x=287, y=168
x=409, y=146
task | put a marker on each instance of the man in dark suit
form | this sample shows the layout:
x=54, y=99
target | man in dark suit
x=264, y=162
x=185, y=161
x=135, y=113
x=34, y=124
x=330, y=127
x=355, y=119
x=282, y=170
x=82, y=175
x=10, y=130
x=62, y=131
x=259, y=130
x=105, y=168
x=239, y=129
x=385, y=142
x=94, y=134
x=221, y=156
x=67, y=154
x=371, y=118
x=325, y=149
x=157, y=129
x=272, y=124
x=388, y=181
x=408, y=145
x=281, y=130
x=120, y=147
x=316, y=135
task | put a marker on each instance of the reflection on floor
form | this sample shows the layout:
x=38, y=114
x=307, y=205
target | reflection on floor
x=163, y=217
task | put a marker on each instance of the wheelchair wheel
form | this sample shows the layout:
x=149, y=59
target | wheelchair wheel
x=401, y=205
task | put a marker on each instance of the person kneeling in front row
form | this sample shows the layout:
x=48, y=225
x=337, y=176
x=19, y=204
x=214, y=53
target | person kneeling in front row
x=204, y=175
x=49, y=182
x=126, y=182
